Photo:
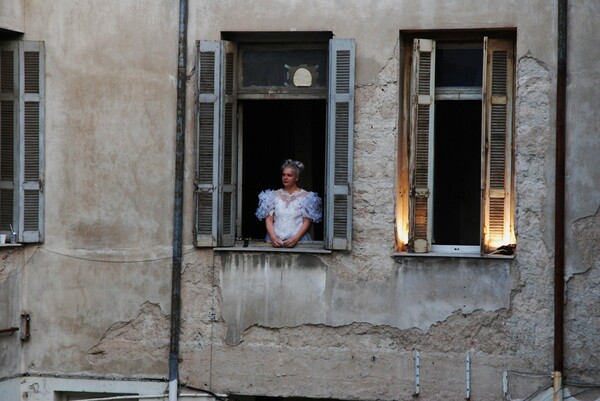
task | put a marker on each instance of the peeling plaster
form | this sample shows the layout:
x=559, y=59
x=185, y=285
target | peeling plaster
x=145, y=337
x=586, y=232
x=277, y=290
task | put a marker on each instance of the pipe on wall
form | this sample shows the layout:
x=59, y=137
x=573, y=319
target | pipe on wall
x=178, y=203
x=559, y=215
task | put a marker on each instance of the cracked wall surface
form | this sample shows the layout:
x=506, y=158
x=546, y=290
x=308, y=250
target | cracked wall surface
x=350, y=324
x=344, y=325
x=143, y=339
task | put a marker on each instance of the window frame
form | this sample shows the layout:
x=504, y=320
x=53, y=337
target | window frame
x=405, y=209
x=216, y=179
x=27, y=132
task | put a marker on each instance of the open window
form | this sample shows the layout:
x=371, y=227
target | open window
x=22, y=140
x=259, y=102
x=456, y=174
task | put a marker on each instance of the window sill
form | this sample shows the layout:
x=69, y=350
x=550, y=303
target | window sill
x=9, y=245
x=451, y=255
x=310, y=247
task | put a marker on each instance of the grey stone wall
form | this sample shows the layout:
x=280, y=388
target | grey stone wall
x=342, y=325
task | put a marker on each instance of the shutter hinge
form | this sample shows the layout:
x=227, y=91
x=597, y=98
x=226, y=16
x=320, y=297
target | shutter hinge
x=41, y=183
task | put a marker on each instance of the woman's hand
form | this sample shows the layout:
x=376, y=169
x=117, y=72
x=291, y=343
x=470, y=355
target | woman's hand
x=291, y=242
x=277, y=243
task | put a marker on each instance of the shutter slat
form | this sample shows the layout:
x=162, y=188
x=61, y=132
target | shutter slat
x=497, y=122
x=340, y=132
x=32, y=72
x=6, y=209
x=7, y=117
x=207, y=138
x=7, y=71
x=341, y=143
x=8, y=133
x=421, y=144
x=31, y=144
x=32, y=141
x=31, y=221
x=227, y=187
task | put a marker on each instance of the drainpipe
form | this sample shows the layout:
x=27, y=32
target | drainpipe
x=559, y=215
x=178, y=203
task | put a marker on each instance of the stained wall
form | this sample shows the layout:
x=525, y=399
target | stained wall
x=343, y=325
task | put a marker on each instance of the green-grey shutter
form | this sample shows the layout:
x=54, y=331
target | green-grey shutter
x=9, y=123
x=421, y=144
x=228, y=153
x=31, y=143
x=340, y=135
x=22, y=140
x=208, y=118
x=497, y=135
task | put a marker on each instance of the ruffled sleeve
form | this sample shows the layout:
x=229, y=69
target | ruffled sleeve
x=266, y=204
x=311, y=207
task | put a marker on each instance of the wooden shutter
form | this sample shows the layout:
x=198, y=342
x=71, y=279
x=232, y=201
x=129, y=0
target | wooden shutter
x=9, y=123
x=216, y=144
x=340, y=133
x=497, y=137
x=22, y=140
x=208, y=118
x=228, y=149
x=31, y=143
x=422, y=104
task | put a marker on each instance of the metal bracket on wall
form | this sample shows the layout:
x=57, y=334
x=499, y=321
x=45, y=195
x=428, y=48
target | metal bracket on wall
x=25, y=326
x=10, y=330
x=417, y=373
x=468, y=375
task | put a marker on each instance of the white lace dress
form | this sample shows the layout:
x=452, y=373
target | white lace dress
x=289, y=211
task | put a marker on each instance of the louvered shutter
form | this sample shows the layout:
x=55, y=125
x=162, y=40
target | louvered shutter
x=208, y=118
x=9, y=123
x=340, y=133
x=497, y=136
x=227, y=184
x=31, y=143
x=421, y=144
x=22, y=140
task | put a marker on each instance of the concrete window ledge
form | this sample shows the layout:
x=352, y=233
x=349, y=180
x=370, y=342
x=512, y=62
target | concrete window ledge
x=311, y=247
x=451, y=255
x=10, y=245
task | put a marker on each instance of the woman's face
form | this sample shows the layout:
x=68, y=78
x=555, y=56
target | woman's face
x=289, y=177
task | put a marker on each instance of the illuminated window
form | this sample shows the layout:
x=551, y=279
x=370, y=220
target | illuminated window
x=456, y=180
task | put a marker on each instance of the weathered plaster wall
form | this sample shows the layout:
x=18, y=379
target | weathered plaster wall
x=313, y=326
x=11, y=15
x=280, y=290
x=101, y=280
x=11, y=262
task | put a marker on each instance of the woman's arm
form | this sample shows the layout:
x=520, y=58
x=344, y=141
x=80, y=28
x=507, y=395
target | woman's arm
x=277, y=243
x=291, y=242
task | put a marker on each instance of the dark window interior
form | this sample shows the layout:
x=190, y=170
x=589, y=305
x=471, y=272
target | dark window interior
x=458, y=67
x=457, y=173
x=275, y=130
x=270, y=67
